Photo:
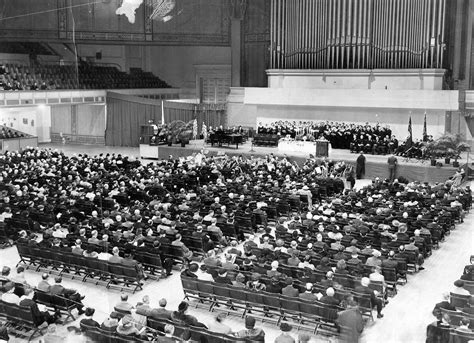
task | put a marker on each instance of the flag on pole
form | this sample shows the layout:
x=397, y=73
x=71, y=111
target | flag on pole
x=425, y=133
x=410, y=134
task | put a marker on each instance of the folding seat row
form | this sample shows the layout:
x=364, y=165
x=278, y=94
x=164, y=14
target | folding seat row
x=198, y=334
x=20, y=319
x=267, y=306
x=55, y=302
x=96, y=334
x=84, y=267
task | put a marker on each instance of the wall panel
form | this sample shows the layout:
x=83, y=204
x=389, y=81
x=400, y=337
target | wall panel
x=61, y=119
x=19, y=9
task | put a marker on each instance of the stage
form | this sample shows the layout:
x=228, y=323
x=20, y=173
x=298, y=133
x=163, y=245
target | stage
x=375, y=166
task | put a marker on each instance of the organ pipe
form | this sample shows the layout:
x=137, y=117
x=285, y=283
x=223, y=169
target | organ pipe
x=363, y=34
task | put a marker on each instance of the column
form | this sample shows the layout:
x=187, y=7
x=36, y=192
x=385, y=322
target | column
x=238, y=8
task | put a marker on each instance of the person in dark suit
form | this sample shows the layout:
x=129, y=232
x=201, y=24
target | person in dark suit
x=308, y=294
x=290, y=290
x=39, y=317
x=351, y=323
x=71, y=294
x=88, y=321
x=222, y=278
x=445, y=304
x=190, y=271
x=360, y=167
x=161, y=312
x=329, y=298
x=363, y=288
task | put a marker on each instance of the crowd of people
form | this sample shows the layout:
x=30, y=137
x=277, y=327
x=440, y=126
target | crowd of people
x=7, y=133
x=356, y=137
x=112, y=200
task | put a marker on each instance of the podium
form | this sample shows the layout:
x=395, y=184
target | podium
x=322, y=148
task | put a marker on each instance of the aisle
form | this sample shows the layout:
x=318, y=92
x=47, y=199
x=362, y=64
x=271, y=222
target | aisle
x=409, y=312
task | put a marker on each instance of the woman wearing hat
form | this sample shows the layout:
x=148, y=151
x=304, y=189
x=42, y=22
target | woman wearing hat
x=255, y=284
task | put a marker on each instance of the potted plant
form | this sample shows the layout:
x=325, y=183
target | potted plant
x=460, y=148
x=431, y=152
x=450, y=146
x=447, y=156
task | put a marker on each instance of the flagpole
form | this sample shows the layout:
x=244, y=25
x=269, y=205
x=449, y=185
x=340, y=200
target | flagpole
x=162, y=112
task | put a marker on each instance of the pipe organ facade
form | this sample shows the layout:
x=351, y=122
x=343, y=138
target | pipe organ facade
x=357, y=34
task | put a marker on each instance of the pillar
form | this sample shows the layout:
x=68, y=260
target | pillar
x=238, y=8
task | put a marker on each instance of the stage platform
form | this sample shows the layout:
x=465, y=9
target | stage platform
x=375, y=166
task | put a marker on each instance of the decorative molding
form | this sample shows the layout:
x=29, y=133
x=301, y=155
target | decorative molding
x=194, y=39
x=257, y=37
x=121, y=36
x=29, y=34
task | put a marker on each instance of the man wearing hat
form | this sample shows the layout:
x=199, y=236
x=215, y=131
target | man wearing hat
x=285, y=336
x=251, y=332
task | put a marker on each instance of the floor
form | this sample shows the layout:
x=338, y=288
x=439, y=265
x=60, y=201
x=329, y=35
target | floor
x=406, y=317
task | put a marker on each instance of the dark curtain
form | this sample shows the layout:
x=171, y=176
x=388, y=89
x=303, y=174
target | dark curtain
x=125, y=114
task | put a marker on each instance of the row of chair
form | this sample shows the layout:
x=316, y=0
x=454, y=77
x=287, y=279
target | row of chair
x=269, y=307
x=20, y=320
x=198, y=334
x=83, y=267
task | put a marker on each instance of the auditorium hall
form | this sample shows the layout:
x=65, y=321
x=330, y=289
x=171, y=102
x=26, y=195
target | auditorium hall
x=239, y=171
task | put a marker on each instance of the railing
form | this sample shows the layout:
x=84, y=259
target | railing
x=56, y=97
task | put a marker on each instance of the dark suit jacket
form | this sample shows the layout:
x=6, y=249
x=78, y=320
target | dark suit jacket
x=290, y=291
x=366, y=290
x=90, y=322
x=330, y=301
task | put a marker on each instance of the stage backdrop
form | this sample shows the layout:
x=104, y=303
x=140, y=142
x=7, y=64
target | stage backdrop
x=125, y=114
